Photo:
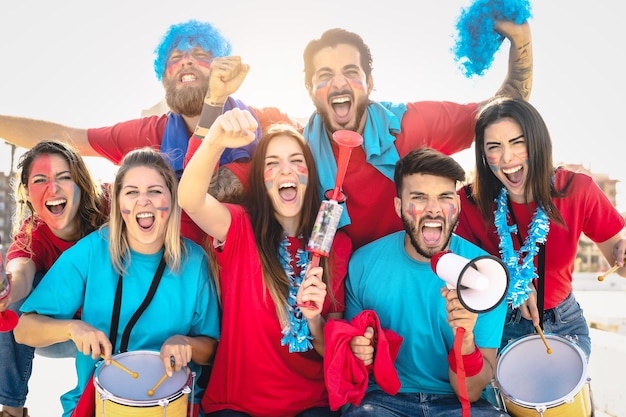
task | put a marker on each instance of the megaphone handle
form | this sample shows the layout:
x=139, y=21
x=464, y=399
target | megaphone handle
x=460, y=371
x=315, y=261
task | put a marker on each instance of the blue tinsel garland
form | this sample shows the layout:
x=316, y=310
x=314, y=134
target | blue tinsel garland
x=521, y=274
x=477, y=41
x=296, y=333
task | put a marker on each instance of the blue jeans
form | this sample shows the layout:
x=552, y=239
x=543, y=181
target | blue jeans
x=380, y=404
x=16, y=362
x=311, y=412
x=566, y=320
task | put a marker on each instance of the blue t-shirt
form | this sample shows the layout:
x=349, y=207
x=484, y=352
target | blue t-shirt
x=405, y=294
x=185, y=302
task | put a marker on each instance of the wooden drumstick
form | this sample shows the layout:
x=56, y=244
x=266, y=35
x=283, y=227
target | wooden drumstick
x=609, y=272
x=545, y=342
x=151, y=391
x=123, y=368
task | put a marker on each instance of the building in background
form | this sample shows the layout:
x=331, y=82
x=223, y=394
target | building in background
x=7, y=207
x=589, y=257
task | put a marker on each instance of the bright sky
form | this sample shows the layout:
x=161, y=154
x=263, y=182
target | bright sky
x=89, y=64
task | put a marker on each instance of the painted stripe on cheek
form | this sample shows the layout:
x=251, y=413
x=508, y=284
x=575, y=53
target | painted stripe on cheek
x=357, y=84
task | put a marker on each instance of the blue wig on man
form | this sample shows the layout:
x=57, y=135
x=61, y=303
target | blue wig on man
x=188, y=35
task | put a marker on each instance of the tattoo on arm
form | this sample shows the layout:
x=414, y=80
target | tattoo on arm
x=226, y=187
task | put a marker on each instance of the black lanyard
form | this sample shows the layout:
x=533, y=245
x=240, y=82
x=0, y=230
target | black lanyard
x=541, y=266
x=117, y=306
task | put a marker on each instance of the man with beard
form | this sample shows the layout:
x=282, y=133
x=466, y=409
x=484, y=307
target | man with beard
x=393, y=277
x=338, y=77
x=193, y=64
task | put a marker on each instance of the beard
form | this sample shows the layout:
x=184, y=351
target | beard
x=330, y=124
x=187, y=100
x=412, y=230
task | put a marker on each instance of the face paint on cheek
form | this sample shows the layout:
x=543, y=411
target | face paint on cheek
x=204, y=63
x=162, y=207
x=172, y=68
x=492, y=161
x=268, y=178
x=321, y=90
x=451, y=212
x=76, y=195
x=414, y=212
x=356, y=84
x=303, y=175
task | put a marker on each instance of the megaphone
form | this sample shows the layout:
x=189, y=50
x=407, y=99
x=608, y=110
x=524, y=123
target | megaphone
x=481, y=283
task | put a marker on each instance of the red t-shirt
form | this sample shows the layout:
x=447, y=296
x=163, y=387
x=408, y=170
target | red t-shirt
x=253, y=372
x=585, y=210
x=45, y=246
x=447, y=127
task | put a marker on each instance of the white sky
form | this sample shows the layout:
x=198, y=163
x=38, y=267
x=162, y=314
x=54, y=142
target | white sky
x=89, y=64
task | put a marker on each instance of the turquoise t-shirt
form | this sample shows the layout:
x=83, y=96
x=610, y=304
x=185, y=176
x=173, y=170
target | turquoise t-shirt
x=406, y=296
x=185, y=303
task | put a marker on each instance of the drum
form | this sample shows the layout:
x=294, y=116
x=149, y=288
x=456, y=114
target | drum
x=535, y=383
x=118, y=394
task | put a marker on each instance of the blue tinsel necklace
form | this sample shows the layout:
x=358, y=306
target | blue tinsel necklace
x=296, y=333
x=521, y=273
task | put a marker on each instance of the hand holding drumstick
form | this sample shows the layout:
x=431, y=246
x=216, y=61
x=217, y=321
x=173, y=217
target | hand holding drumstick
x=610, y=271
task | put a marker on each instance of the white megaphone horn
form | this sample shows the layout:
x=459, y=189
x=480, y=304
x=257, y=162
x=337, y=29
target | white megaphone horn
x=481, y=283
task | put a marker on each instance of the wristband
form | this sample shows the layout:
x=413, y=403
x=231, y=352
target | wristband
x=213, y=103
x=473, y=363
x=200, y=132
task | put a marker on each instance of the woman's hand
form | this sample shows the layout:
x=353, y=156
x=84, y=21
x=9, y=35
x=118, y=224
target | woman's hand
x=312, y=291
x=176, y=353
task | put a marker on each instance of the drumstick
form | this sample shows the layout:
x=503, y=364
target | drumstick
x=123, y=368
x=545, y=342
x=151, y=391
x=609, y=272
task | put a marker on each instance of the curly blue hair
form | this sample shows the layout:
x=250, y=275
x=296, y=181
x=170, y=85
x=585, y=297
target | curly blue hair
x=477, y=42
x=188, y=35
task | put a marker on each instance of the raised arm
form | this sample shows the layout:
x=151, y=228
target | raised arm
x=26, y=133
x=233, y=129
x=519, y=77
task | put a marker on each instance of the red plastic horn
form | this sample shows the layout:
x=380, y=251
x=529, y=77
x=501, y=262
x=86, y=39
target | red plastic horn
x=330, y=211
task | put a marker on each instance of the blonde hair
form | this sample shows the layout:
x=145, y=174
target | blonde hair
x=118, y=240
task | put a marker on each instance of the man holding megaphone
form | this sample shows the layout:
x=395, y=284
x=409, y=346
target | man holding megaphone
x=426, y=304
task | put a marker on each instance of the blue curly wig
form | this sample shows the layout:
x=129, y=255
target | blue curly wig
x=188, y=35
x=477, y=41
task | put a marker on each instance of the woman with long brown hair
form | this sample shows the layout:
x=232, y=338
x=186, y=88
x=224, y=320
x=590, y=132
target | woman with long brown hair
x=270, y=356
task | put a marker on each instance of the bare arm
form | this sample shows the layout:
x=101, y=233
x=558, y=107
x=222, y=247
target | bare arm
x=231, y=130
x=38, y=330
x=613, y=250
x=22, y=272
x=519, y=78
x=26, y=133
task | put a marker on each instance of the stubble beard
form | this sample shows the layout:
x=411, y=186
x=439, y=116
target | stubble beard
x=329, y=122
x=411, y=229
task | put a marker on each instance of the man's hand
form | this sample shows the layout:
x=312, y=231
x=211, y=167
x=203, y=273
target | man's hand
x=362, y=346
x=227, y=75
